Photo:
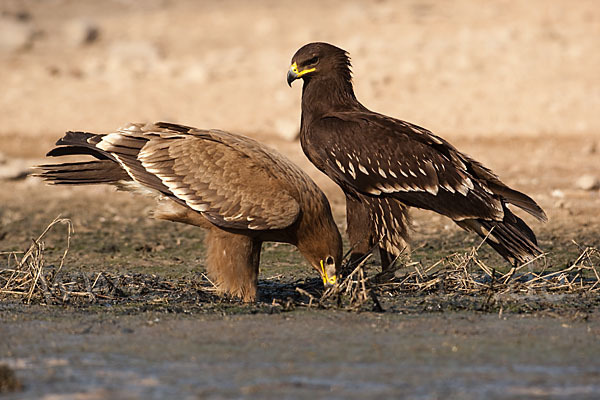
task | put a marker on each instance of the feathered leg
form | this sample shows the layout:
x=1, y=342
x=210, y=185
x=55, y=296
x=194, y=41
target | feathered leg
x=232, y=262
x=375, y=221
x=359, y=229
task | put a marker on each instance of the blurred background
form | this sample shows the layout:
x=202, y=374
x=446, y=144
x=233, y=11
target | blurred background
x=516, y=84
x=460, y=67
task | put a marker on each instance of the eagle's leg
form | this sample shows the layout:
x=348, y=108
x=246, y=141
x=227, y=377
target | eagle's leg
x=232, y=259
x=387, y=259
x=232, y=262
x=362, y=216
x=359, y=229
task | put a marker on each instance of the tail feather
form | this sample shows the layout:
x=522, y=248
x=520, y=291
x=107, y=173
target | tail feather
x=509, y=195
x=105, y=170
x=77, y=150
x=80, y=173
x=512, y=238
x=520, y=200
x=75, y=138
x=79, y=143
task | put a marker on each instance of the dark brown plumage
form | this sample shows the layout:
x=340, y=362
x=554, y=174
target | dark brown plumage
x=385, y=165
x=241, y=191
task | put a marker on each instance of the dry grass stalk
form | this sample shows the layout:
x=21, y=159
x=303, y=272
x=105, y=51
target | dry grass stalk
x=28, y=275
x=468, y=274
x=311, y=298
x=352, y=292
x=31, y=279
x=459, y=273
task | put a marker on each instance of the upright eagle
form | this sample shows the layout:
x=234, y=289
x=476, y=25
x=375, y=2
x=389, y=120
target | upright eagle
x=385, y=165
x=241, y=191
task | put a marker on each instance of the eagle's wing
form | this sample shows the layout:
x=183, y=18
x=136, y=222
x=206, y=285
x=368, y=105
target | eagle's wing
x=226, y=177
x=380, y=156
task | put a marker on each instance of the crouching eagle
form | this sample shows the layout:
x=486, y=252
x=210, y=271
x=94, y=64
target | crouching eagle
x=241, y=191
x=385, y=165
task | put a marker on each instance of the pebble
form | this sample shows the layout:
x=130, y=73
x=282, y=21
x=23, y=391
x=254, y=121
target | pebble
x=15, y=35
x=590, y=149
x=8, y=380
x=587, y=182
x=14, y=170
x=81, y=32
x=560, y=203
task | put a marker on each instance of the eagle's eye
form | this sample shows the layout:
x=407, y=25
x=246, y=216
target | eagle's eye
x=313, y=60
x=329, y=260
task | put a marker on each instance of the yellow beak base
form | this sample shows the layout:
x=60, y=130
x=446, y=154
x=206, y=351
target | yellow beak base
x=294, y=73
x=327, y=280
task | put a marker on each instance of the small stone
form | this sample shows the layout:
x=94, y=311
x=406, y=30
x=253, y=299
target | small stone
x=23, y=16
x=8, y=380
x=587, y=182
x=15, y=35
x=557, y=193
x=560, y=203
x=14, y=170
x=590, y=149
x=81, y=32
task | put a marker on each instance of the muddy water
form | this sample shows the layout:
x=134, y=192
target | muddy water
x=306, y=354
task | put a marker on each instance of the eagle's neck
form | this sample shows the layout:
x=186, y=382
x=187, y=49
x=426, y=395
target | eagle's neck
x=322, y=95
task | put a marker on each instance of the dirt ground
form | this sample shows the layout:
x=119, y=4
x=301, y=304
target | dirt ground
x=301, y=355
x=513, y=84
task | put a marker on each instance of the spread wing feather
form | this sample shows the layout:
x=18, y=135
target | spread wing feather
x=372, y=154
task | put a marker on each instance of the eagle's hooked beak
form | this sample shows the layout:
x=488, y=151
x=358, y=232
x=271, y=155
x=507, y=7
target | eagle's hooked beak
x=328, y=280
x=294, y=74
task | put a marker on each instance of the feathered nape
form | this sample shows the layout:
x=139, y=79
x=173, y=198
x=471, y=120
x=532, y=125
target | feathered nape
x=344, y=66
x=331, y=89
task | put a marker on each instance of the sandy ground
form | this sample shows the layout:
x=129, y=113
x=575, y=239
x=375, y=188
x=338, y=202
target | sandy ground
x=515, y=84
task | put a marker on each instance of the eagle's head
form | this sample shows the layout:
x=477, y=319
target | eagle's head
x=324, y=253
x=317, y=60
x=319, y=240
